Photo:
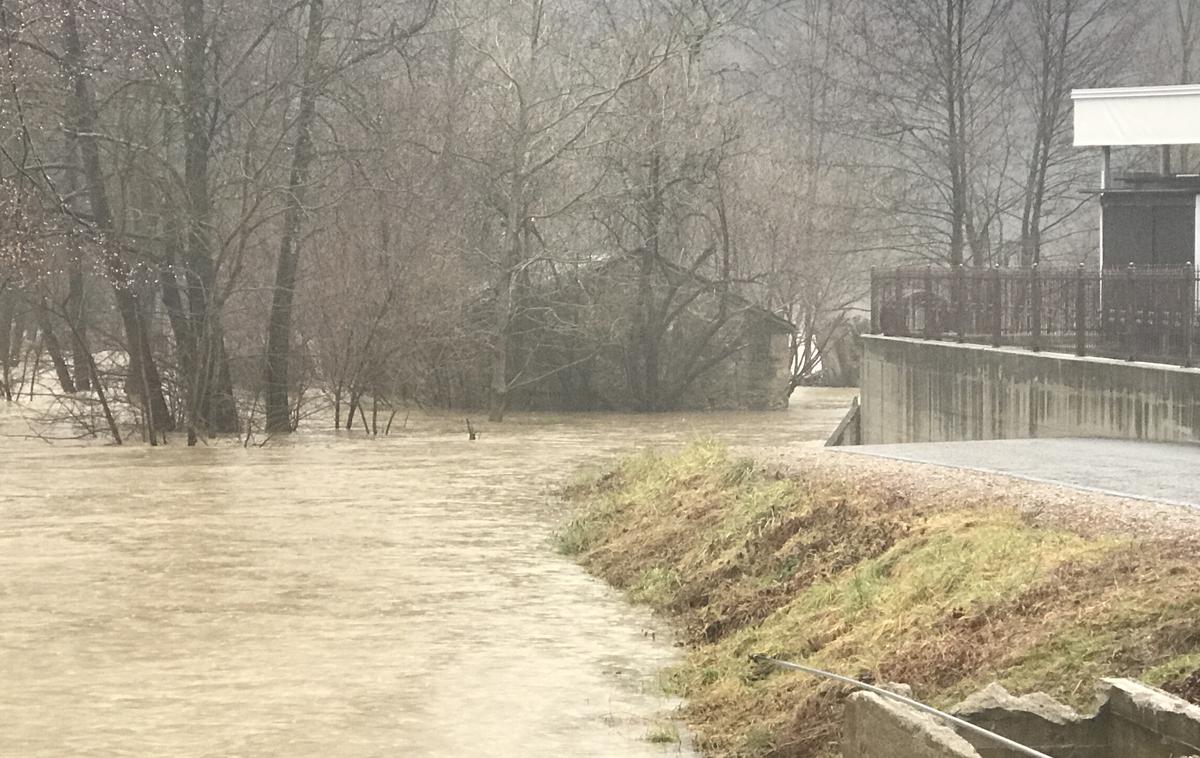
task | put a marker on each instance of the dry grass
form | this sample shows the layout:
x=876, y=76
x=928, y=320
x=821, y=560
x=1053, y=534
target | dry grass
x=858, y=575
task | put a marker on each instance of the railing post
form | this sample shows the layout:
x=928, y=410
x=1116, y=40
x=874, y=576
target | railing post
x=1189, y=312
x=1035, y=305
x=875, y=304
x=960, y=297
x=929, y=303
x=1131, y=312
x=997, y=298
x=1080, y=312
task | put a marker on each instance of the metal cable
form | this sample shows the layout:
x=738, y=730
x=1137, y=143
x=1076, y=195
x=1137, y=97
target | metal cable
x=1006, y=742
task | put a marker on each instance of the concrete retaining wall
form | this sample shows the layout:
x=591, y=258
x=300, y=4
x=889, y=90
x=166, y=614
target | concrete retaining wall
x=919, y=391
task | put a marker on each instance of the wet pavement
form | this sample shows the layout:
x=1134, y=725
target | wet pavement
x=1161, y=472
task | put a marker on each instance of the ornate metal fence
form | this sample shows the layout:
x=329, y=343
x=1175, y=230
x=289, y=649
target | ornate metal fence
x=1133, y=313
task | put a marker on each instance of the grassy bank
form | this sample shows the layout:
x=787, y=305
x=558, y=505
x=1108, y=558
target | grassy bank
x=944, y=593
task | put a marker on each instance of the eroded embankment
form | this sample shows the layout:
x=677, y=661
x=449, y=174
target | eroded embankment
x=946, y=592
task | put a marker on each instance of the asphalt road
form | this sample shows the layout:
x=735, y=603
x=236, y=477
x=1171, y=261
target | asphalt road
x=1165, y=473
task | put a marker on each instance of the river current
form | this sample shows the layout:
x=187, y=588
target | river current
x=331, y=594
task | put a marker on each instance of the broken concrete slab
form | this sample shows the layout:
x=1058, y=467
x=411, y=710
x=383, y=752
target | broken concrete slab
x=1133, y=720
x=877, y=727
x=1035, y=720
x=994, y=698
x=1146, y=722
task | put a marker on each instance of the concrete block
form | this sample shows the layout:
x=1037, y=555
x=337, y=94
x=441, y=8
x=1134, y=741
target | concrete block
x=877, y=727
x=1145, y=722
x=1133, y=721
x=1036, y=720
x=848, y=431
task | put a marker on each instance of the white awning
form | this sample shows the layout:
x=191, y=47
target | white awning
x=1137, y=116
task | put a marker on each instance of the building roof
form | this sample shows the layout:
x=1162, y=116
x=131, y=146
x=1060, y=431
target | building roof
x=673, y=270
x=1168, y=115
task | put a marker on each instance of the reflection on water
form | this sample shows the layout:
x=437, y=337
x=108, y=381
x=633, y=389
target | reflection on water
x=329, y=595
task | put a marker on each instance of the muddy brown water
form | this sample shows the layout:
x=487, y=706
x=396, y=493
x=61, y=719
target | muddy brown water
x=330, y=595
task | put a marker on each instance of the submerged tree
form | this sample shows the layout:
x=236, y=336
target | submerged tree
x=315, y=78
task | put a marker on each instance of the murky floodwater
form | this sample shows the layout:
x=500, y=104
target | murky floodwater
x=330, y=595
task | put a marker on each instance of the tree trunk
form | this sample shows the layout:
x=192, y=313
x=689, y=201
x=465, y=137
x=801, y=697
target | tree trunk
x=1051, y=85
x=210, y=402
x=337, y=406
x=498, y=400
x=77, y=316
x=102, y=396
x=177, y=314
x=1186, y=18
x=142, y=368
x=353, y=406
x=279, y=327
x=16, y=343
x=54, y=348
x=6, y=324
x=648, y=326
x=213, y=405
x=362, y=416
x=76, y=304
x=512, y=258
x=952, y=63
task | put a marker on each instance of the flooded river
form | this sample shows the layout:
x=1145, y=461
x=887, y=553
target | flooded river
x=330, y=595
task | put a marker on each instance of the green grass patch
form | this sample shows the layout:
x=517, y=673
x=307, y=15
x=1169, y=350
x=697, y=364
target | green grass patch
x=663, y=734
x=945, y=596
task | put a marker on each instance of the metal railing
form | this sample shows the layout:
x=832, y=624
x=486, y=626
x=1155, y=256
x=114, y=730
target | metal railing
x=1134, y=313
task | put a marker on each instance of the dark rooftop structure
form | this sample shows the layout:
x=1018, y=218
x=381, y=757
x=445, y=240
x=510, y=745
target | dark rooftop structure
x=1147, y=218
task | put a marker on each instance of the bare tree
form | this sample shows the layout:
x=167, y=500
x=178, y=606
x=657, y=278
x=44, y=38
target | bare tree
x=474, y=206
x=928, y=70
x=549, y=86
x=144, y=381
x=315, y=78
x=1058, y=45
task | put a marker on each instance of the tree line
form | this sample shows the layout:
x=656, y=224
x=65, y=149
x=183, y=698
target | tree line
x=216, y=215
